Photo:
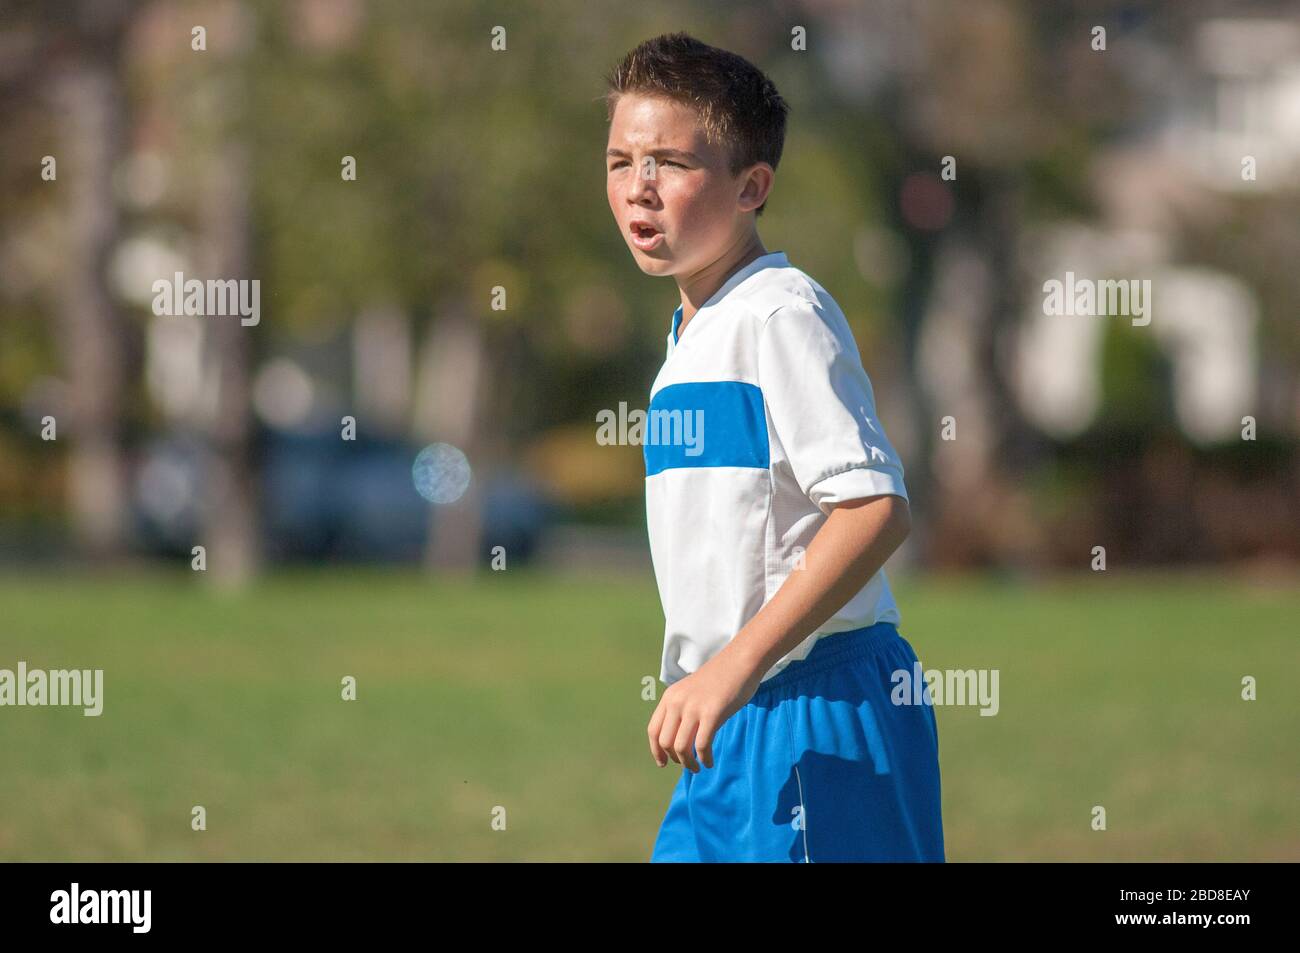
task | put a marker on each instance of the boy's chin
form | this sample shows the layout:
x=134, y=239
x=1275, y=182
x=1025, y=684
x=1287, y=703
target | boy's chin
x=658, y=267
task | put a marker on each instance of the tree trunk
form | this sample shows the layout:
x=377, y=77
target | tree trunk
x=450, y=409
x=230, y=518
x=92, y=333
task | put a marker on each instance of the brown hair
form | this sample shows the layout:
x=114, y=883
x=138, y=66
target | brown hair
x=738, y=105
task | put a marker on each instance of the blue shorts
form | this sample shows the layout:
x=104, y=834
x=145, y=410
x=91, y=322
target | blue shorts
x=820, y=765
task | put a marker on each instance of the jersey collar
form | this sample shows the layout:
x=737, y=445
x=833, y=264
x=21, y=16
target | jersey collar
x=775, y=259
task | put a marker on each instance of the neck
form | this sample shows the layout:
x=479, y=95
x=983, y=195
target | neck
x=699, y=287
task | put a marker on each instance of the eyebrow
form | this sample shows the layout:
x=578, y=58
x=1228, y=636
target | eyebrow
x=673, y=153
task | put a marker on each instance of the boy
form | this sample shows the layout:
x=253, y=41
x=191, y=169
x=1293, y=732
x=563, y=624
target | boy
x=770, y=521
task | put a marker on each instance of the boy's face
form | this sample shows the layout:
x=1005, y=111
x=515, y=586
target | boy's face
x=661, y=171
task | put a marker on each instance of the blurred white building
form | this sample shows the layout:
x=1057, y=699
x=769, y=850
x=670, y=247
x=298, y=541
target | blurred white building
x=1231, y=125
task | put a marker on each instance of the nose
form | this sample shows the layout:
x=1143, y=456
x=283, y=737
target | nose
x=641, y=183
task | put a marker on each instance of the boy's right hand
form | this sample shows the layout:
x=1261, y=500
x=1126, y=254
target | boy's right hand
x=692, y=709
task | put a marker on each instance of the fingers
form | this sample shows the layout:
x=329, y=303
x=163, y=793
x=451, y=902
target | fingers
x=685, y=743
x=656, y=722
x=704, y=742
x=676, y=731
x=667, y=734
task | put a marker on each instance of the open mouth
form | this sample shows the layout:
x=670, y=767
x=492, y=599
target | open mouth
x=645, y=236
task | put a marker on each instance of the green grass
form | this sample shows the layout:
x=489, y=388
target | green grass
x=523, y=691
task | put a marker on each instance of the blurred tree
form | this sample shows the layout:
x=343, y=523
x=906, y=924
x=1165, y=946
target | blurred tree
x=223, y=223
x=72, y=53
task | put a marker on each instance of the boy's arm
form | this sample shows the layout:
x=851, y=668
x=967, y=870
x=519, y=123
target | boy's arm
x=851, y=546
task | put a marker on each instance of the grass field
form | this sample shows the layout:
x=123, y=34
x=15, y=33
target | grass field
x=523, y=691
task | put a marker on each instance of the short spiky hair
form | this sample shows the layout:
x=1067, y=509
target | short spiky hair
x=738, y=105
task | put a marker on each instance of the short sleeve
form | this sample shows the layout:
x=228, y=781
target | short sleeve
x=822, y=407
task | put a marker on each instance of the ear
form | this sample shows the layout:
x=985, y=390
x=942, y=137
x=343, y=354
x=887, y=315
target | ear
x=758, y=179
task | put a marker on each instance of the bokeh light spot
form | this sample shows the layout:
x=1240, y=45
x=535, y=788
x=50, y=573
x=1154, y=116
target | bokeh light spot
x=441, y=473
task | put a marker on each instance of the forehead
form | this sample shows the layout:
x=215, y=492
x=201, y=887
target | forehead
x=648, y=122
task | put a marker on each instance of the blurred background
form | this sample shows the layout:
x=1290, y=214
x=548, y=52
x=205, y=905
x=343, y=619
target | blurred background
x=446, y=306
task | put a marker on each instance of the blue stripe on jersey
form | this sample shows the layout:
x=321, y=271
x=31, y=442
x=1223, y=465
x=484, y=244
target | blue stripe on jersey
x=706, y=424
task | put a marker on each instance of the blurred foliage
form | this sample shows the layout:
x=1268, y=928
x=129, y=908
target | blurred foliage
x=478, y=169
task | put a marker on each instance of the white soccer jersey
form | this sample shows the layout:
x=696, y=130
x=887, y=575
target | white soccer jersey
x=761, y=416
